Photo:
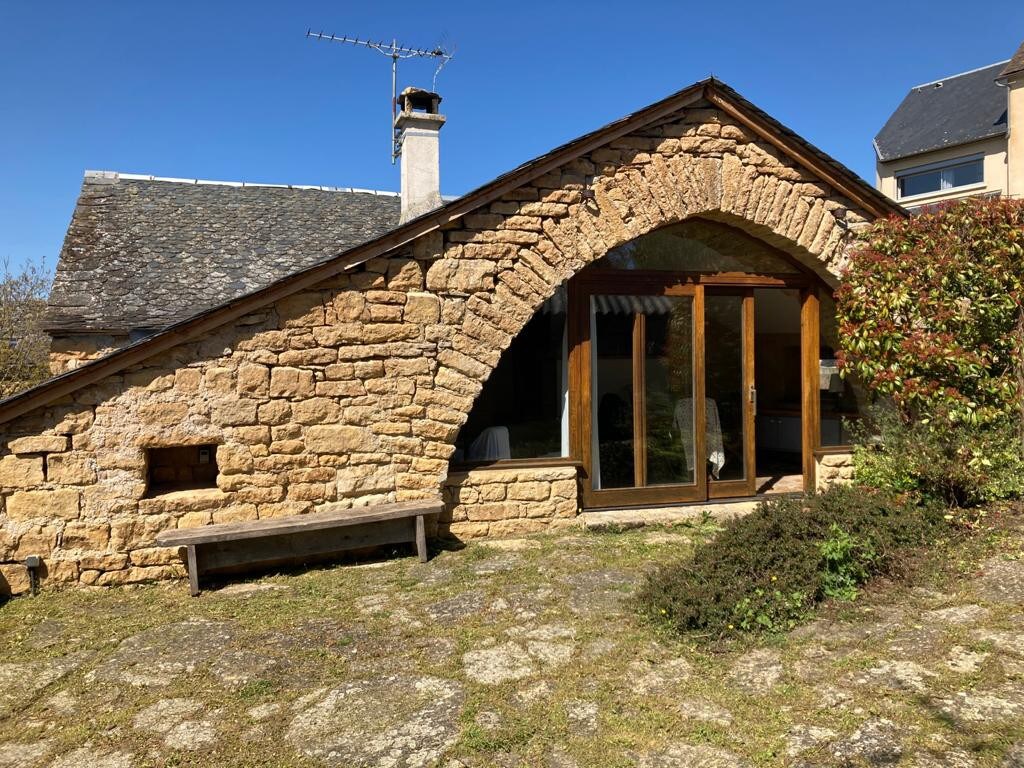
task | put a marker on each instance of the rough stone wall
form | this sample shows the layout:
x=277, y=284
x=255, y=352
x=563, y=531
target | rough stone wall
x=70, y=352
x=505, y=502
x=353, y=392
x=833, y=468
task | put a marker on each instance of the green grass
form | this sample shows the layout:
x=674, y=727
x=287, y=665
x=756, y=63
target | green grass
x=320, y=630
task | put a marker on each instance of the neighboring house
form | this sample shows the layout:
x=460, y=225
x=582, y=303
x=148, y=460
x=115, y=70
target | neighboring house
x=642, y=316
x=961, y=136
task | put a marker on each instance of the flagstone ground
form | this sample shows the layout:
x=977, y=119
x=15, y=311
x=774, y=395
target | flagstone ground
x=525, y=652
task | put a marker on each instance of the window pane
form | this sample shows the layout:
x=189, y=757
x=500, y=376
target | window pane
x=522, y=411
x=723, y=372
x=697, y=245
x=920, y=183
x=611, y=331
x=668, y=385
x=941, y=178
x=968, y=173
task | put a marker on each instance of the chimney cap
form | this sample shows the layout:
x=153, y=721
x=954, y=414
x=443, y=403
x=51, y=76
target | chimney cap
x=418, y=100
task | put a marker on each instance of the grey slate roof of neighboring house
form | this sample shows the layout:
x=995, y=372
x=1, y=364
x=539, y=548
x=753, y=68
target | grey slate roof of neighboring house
x=945, y=113
x=143, y=253
x=1015, y=65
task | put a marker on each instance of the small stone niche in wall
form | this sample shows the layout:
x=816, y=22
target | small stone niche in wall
x=180, y=468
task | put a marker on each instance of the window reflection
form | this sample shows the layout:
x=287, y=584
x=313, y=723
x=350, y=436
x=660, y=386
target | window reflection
x=522, y=412
x=697, y=245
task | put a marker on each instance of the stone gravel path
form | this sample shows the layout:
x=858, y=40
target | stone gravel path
x=519, y=654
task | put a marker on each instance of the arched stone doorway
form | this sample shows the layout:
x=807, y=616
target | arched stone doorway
x=608, y=376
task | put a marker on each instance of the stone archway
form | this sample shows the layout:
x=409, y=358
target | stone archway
x=617, y=195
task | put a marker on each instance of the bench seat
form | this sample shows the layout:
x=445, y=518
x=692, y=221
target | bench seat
x=221, y=547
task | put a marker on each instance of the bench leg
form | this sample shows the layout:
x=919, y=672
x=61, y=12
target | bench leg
x=193, y=571
x=421, y=539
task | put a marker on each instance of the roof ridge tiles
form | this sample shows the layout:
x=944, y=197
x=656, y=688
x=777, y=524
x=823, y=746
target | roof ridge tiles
x=959, y=74
x=108, y=177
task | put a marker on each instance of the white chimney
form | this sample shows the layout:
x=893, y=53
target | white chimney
x=419, y=125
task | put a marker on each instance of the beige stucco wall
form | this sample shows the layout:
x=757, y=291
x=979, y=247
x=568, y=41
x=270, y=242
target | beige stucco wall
x=353, y=392
x=1015, y=112
x=995, y=178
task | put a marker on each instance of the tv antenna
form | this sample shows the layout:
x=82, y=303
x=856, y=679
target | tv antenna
x=395, y=52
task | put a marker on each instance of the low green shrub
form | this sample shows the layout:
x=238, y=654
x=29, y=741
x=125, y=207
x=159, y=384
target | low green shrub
x=957, y=464
x=765, y=572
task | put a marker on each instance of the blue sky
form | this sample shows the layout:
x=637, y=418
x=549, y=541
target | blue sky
x=233, y=91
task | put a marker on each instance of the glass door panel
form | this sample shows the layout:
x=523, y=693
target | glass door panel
x=643, y=421
x=668, y=392
x=730, y=393
x=612, y=320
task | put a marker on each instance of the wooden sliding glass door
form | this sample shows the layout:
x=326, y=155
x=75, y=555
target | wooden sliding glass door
x=664, y=390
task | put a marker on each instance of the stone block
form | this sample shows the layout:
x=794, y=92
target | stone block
x=312, y=356
x=461, y=275
x=339, y=439
x=155, y=556
x=233, y=514
x=187, y=380
x=21, y=472
x=423, y=308
x=74, y=422
x=37, y=540
x=39, y=444
x=60, y=571
x=529, y=491
x=103, y=561
x=176, y=502
x=284, y=509
x=163, y=414
x=289, y=447
x=291, y=382
x=404, y=274
x=195, y=519
x=315, y=410
x=220, y=379
x=137, y=532
x=61, y=503
x=348, y=306
x=13, y=579
x=75, y=468
x=234, y=459
x=275, y=412
x=85, y=535
x=253, y=380
x=234, y=412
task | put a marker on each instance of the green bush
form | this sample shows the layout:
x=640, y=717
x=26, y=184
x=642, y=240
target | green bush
x=765, y=572
x=957, y=464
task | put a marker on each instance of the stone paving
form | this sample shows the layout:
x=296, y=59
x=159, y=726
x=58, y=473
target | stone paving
x=521, y=653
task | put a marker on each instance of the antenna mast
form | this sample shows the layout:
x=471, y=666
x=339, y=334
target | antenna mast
x=395, y=52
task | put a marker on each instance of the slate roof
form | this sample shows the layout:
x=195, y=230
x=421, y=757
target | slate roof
x=142, y=253
x=946, y=113
x=1014, y=65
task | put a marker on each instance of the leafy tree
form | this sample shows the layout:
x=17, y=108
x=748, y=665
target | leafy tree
x=24, y=346
x=931, y=320
x=930, y=312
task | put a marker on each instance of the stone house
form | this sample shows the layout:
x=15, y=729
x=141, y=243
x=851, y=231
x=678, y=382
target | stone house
x=639, y=317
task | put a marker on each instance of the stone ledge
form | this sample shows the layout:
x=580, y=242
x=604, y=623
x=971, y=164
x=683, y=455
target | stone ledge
x=609, y=519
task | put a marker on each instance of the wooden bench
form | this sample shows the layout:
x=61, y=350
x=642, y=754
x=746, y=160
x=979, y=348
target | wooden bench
x=212, y=548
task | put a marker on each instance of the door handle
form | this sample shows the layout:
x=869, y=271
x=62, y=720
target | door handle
x=753, y=398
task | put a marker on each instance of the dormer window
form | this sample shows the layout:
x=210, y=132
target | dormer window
x=940, y=177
